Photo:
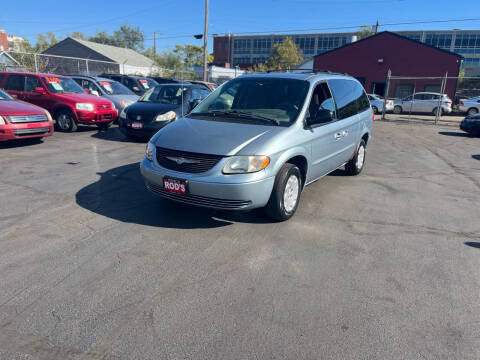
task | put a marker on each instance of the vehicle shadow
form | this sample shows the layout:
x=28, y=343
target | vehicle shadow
x=452, y=133
x=120, y=194
x=473, y=244
x=476, y=157
x=20, y=143
x=338, y=172
x=114, y=134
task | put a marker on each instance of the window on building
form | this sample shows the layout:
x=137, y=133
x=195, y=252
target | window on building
x=306, y=45
x=442, y=41
x=403, y=90
x=261, y=46
x=242, y=46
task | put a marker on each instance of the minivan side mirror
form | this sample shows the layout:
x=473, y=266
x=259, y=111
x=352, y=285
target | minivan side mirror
x=40, y=90
x=322, y=116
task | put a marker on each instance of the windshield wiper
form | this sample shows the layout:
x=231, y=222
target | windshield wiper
x=246, y=114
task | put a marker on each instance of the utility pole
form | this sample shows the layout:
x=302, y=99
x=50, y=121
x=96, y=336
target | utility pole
x=205, y=51
x=154, y=47
x=376, y=27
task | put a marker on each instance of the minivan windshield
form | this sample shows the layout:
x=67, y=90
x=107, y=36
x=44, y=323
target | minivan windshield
x=4, y=95
x=114, y=88
x=62, y=85
x=165, y=94
x=273, y=100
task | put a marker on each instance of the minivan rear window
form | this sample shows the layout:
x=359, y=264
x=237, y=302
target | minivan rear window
x=349, y=96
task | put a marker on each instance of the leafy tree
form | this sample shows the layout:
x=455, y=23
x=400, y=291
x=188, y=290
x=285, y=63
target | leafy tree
x=78, y=35
x=364, y=32
x=126, y=37
x=165, y=59
x=102, y=37
x=191, y=55
x=284, y=55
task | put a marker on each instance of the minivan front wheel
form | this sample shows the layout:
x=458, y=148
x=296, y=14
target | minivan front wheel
x=285, y=194
x=355, y=165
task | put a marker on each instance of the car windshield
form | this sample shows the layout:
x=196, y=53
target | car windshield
x=62, y=85
x=165, y=94
x=275, y=100
x=4, y=95
x=147, y=83
x=114, y=88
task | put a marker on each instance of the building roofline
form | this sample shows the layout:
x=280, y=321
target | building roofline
x=394, y=34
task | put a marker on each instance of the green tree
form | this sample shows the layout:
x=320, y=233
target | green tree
x=284, y=55
x=191, y=55
x=126, y=37
x=78, y=35
x=364, y=32
x=45, y=41
x=165, y=59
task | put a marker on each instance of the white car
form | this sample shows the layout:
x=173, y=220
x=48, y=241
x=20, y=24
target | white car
x=470, y=106
x=377, y=103
x=423, y=102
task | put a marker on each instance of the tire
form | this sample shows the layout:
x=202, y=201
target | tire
x=472, y=111
x=284, y=199
x=375, y=110
x=397, y=109
x=104, y=126
x=65, y=121
x=355, y=166
x=434, y=112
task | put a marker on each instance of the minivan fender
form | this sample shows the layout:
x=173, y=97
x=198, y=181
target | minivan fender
x=300, y=158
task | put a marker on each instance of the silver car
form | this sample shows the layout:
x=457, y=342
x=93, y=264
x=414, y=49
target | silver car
x=257, y=140
x=423, y=102
x=377, y=103
x=470, y=106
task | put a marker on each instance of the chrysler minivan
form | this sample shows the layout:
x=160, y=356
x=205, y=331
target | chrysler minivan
x=258, y=140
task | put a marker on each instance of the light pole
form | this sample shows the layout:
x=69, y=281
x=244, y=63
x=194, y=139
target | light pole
x=205, y=52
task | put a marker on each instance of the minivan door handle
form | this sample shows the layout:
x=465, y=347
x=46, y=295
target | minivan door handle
x=337, y=136
x=344, y=133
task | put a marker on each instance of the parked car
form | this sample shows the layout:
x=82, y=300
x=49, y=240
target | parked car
x=117, y=93
x=377, y=103
x=62, y=97
x=20, y=120
x=159, y=106
x=164, y=80
x=423, y=102
x=138, y=84
x=470, y=106
x=209, y=85
x=258, y=140
x=471, y=124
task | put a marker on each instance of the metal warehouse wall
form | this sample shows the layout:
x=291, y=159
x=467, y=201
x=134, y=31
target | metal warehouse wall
x=403, y=56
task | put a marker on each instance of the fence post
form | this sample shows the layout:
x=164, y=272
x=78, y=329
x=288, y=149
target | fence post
x=86, y=65
x=387, y=88
x=440, y=98
x=35, y=60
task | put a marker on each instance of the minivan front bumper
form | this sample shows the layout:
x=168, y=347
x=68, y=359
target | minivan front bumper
x=208, y=191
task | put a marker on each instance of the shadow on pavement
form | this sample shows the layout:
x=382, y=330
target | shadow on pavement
x=452, y=133
x=114, y=134
x=476, y=157
x=338, y=172
x=120, y=194
x=20, y=143
x=473, y=244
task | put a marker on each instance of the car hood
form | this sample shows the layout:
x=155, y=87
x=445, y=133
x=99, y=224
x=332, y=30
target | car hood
x=214, y=137
x=148, y=110
x=126, y=97
x=11, y=107
x=83, y=98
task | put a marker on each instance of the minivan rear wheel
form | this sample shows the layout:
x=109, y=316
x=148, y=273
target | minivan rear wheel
x=285, y=196
x=65, y=121
x=355, y=165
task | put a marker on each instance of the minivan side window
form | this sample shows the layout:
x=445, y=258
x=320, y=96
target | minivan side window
x=15, y=83
x=321, y=100
x=349, y=97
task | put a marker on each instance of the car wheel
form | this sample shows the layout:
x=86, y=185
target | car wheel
x=104, y=126
x=375, y=109
x=434, y=112
x=472, y=111
x=397, y=109
x=285, y=196
x=355, y=165
x=65, y=121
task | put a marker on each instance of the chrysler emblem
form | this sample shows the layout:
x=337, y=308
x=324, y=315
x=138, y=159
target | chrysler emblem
x=181, y=160
x=139, y=117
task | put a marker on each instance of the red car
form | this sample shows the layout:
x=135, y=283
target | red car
x=68, y=103
x=19, y=120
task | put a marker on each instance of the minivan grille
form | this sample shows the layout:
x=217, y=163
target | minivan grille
x=184, y=161
x=14, y=119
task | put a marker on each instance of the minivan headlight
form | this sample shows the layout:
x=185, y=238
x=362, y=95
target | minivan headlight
x=149, y=151
x=84, y=106
x=167, y=116
x=245, y=164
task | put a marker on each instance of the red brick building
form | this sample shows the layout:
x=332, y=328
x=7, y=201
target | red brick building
x=370, y=59
x=3, y=40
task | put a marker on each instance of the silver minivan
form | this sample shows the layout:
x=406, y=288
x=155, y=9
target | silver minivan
x=258, y=140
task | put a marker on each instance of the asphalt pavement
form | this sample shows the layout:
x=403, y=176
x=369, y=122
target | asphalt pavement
x=385, y=265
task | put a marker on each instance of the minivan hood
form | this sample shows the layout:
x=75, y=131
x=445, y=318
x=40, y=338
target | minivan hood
x=13, y=107
x=212, y=137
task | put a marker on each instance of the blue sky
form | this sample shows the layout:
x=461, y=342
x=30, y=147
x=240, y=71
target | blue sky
x=174, y=17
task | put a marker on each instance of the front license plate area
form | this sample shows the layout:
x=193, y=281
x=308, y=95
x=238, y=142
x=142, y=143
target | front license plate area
x=137, y=125
x=177, y=186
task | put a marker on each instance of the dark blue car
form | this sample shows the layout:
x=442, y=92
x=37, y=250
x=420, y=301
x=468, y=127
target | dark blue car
x=471, y=125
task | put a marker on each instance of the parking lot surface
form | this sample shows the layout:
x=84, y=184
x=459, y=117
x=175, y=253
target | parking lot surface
x=385, y=265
